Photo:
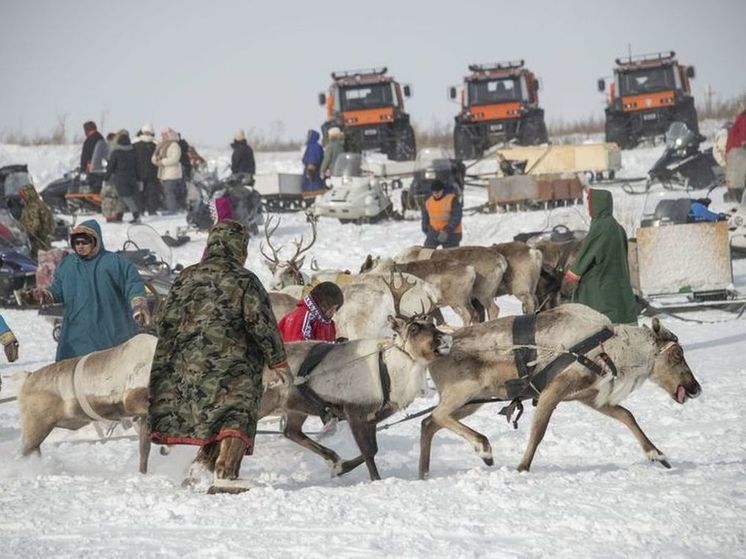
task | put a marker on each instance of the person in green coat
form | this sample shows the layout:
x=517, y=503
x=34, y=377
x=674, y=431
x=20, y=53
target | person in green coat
x=102, y=294
x=601, y=271
x=216, y=334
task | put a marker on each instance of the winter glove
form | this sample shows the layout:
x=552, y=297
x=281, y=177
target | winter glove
x=33, y=297
x=11, y=350
x=569, y=283
x=442, y=236
x=278, y=376
x=141, y=312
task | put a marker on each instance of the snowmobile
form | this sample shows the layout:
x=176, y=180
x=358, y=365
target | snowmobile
x=682, y=163
x=75, y=192
x=12, y=178
x=356, y=195
x=432, y=164
x=17, y=269
x=246, y=202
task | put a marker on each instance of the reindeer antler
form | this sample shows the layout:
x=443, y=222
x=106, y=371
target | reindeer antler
x=398, y=292
x=299, y=248
x=269, y=230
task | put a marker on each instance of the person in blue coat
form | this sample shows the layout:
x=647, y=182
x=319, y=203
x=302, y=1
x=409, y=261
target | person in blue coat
x=102, y=293
x=312, y=158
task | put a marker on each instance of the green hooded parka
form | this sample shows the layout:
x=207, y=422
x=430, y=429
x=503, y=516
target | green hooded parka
x=602, y=265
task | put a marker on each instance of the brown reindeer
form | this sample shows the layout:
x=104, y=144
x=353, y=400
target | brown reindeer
x=285, y=272
x=489, y=264
x=481, y=365
x=557, y=257
x=452, y=280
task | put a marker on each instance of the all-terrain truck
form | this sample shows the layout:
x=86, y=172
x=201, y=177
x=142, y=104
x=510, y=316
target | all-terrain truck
x=499, y=103
x=368, y=106
x=647, y=94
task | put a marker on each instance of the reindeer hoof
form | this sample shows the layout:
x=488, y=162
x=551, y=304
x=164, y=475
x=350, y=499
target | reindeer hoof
x=522, y=468
x=655, y=456
x=489, y=461
x=347, y=466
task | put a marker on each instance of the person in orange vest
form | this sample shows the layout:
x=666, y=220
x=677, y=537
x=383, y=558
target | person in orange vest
x=441, y=218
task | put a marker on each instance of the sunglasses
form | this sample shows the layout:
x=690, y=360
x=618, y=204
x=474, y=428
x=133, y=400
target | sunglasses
x=82, y=241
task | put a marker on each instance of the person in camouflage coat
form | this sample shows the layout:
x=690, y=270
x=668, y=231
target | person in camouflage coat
x=216, y=333
x=36, y=219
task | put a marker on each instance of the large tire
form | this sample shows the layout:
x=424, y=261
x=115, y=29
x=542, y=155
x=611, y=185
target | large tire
x=616, y=133
x=405, y=148
x=533, y=131
x=462, y=144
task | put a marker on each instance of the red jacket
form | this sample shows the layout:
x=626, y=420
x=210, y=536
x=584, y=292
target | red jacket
x=737, y=133
x=307, y=322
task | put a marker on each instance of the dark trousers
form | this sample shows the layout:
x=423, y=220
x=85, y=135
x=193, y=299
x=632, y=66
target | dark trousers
x=152, y=195
x=431, y=240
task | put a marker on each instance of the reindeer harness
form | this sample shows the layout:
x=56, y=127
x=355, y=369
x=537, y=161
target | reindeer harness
x=531, y=382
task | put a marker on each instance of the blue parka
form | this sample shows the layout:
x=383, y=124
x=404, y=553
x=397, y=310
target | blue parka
x=313, y=156
x=98, y=293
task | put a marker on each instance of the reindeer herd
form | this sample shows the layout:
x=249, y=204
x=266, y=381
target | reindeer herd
x=391, y=317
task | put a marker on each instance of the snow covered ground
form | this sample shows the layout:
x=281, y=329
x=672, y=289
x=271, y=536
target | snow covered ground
x=591, y=492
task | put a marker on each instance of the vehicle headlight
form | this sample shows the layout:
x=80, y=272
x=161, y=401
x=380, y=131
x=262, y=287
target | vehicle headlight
x=429, y=174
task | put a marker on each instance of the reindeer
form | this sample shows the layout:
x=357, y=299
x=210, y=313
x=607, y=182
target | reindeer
x=453, y=281
x=366, y=380
x=557, y=257
x=482, y=365
x=108, y=385
x=285, y=272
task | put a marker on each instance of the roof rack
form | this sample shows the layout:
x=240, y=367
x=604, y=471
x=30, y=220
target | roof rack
x=379, y=71
x=650, y=57
x=507, y=65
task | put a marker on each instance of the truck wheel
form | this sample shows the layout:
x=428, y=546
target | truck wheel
x=405, y=149
x=533, y=131
x=616, y=133
x=462, y=144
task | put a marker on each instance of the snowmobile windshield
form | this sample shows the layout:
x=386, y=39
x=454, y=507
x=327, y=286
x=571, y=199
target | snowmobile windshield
x=433, y=159
x=11, y=233
x=369, y=96
x=665, y=207
x=14, y=182
x=678, y=135
x=646, y=80
x=349, y=165
x=497, y=90
x=144, y=237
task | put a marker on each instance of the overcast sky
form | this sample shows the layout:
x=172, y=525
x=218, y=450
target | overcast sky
x=207, y=68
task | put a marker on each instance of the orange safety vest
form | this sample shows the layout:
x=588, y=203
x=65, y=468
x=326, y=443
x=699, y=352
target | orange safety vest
x=439, y=212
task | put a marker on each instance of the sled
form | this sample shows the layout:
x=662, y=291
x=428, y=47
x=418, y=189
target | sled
x=684, y=266
x=283, y=192
x=600, y=160
x=519, y=192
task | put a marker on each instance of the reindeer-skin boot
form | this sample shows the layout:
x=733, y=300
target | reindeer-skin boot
x=227, y=466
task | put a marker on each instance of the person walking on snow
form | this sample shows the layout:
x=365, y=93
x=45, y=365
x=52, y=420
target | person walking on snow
x=36, y=219
x=121, y=169
x=600, y=270
x=441, y=218
x=313, y=156
x=102, y=294
x=216, y=333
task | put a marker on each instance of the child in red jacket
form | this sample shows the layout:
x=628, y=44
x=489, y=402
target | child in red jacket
x=312, y=317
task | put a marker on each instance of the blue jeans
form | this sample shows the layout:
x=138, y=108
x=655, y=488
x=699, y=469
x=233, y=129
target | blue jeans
x=170, y=193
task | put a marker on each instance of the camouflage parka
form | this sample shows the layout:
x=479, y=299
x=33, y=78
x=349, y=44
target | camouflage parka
x=216, y=333
x=36, y=219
